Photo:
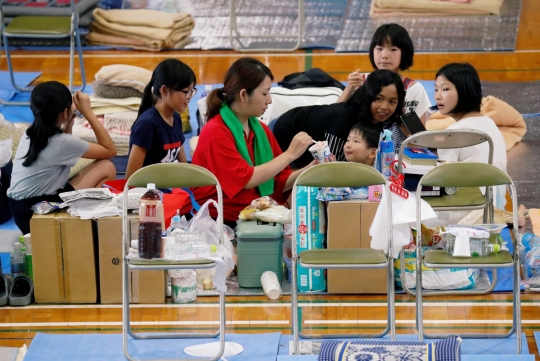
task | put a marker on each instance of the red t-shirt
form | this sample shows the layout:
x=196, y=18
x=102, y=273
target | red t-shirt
x=217, y=152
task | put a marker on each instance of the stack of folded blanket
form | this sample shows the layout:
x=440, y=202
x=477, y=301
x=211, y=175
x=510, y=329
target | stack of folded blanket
x=385, y=8
x=142, y=29
x=118, y=92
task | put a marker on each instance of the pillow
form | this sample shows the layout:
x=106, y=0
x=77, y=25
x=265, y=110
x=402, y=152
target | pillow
x=444, y=350
x=110, y=91
x=509, y=121
x=124, y=75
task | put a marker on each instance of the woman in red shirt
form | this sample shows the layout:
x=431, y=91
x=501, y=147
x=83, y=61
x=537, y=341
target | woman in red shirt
x=240, y=150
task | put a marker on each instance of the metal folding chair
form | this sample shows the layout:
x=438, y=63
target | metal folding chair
x=478, y=175
x=237, y=38
x=465, y=198
x=342, y=174
x=44, y=27
x=168, y=175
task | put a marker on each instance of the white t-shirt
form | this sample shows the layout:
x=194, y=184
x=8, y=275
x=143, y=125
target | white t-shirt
x=416, y=100
x=50, y=171
x=479, y=153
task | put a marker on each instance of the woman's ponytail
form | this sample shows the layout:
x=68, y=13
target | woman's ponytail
x=214, y=101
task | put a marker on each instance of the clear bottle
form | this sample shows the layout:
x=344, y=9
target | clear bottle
x=202, y=116
x=17, y=261
x=150, y=220
x=175, y=223
x=207, y=90
x=479, y=246
x=529, y=241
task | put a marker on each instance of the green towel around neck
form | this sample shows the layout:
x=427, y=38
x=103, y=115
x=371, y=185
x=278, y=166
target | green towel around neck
x=263, y=150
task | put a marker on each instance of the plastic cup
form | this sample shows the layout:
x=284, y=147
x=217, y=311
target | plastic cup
x=166, y=242
x=462, y=246
x=271, y=285
x=321, y=151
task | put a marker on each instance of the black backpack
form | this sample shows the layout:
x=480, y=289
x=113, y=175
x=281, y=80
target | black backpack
x=308, y=79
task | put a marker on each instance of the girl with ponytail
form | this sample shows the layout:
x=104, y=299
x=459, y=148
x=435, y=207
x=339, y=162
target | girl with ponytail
x=157, y=135
x=240, y=150
x=47, y=152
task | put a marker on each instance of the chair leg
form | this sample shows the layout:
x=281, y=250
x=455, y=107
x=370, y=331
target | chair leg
x=10, y=70
x=294, y=303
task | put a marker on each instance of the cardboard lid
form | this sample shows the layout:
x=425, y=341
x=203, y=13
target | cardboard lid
x=258, y=229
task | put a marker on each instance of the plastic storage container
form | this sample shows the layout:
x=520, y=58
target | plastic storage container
x=259, y=249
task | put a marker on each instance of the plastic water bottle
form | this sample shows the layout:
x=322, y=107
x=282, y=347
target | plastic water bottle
x=17, y=260
x=175, y=223
x=479, y=246
x=207, y=90
x=202, y=116
x=530, y=241
x=150, y=219
x=387, y=157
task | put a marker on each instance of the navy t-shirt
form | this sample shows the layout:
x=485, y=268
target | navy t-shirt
x=161, y=141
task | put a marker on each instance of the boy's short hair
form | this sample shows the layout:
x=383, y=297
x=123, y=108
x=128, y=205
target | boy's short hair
x=468, y=86
x=369, y=134
x=398, y=36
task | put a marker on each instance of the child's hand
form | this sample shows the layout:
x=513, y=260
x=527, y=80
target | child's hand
x=82, y=102
x=355, y=80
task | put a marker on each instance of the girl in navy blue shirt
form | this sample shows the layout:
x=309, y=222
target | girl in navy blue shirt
x=157, y=135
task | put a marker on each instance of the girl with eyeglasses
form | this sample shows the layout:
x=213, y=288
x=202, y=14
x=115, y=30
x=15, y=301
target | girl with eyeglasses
x=157, y=135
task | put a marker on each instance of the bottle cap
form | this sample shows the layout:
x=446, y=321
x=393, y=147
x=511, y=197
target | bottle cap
x=175, y=219
x=21, y=239
x=496, y=248
x=151, y=186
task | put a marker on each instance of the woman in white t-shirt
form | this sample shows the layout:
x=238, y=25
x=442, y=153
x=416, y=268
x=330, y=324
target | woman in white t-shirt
x=458, y=93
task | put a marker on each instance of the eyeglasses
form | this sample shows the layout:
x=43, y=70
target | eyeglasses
x=189, y=93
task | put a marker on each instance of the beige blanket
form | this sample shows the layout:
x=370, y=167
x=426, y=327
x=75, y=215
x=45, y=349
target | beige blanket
x=509, y=121
x=141, y=28
x=385, y=8
x=124, y=75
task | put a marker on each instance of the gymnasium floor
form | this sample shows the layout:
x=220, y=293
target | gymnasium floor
x=322, y=313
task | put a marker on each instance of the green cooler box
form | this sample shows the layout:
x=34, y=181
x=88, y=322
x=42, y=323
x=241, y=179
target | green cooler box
x=259, y=248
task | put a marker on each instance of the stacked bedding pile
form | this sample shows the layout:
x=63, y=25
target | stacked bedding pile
x=118, y=91
x=387, y=8
x=141, y=29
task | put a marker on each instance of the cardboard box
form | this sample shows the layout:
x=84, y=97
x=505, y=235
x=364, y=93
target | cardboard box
x=64, y=259
x=146, y=286
x=348, y=227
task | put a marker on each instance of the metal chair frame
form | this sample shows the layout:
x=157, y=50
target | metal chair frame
x=168, y=175
x=75, y=40
x=233, y=31
x=341, y=174
x=446, y=139
x=445, y=175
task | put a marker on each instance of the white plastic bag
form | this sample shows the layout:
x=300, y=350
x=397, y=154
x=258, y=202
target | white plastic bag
x=277, y=214
x=403, y=216
x=6, y=152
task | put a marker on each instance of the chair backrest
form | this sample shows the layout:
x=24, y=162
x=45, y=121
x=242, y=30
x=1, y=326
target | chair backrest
x=172, y=175
x=446, y=139
x=340, y=174
x=465, y=175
